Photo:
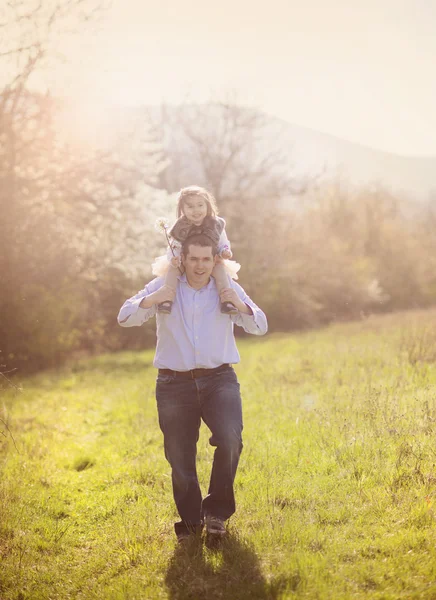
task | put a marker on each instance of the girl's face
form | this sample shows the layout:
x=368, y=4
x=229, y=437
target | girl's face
x=195, y=209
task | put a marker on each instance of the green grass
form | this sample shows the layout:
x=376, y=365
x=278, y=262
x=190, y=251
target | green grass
x=336, y=489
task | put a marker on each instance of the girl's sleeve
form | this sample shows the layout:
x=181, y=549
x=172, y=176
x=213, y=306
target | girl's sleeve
x=175, y=247
x=223, y=242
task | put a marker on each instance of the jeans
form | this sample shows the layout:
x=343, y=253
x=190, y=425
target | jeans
x=182, y=403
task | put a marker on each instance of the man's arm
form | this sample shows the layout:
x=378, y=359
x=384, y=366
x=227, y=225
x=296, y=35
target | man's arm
x=142, y=306
x=251, y=318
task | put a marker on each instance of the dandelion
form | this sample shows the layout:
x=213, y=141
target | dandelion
x=161, y=224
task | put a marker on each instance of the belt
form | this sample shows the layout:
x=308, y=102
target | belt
x=194, y=373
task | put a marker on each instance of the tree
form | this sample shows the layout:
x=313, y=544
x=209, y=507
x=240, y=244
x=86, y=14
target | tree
x=227, y=148
x=73, y=220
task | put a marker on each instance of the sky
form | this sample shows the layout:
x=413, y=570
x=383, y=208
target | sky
x=362, y=70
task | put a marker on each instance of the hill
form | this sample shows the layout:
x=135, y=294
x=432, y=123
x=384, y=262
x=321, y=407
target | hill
x=307, y=151
x=310, y=150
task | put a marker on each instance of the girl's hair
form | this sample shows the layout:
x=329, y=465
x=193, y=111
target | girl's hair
x=195, y=190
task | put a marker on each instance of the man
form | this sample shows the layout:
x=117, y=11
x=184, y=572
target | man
x=194, y=352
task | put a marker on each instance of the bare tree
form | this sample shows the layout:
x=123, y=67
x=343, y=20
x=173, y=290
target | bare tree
x=231, y=149
x=30, y=32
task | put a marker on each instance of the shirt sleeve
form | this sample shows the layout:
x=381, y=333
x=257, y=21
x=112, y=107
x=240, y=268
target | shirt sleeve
x=131, y=314
x=255, y=323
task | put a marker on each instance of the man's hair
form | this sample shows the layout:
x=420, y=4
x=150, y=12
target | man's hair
x=199, y=239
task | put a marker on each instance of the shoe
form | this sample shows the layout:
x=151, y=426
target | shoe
x=184, y=538
x=165, y=307
x=215, y=526
x=188, y=535
x=228, y=308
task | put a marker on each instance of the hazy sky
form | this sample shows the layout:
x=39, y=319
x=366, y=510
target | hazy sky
x=363, y=70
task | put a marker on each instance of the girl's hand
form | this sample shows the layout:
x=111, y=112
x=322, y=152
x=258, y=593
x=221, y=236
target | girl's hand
x=230, y=295
x=226, y=253
x=175, y=262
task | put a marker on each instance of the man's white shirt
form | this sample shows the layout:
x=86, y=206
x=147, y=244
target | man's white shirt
x=196, y=334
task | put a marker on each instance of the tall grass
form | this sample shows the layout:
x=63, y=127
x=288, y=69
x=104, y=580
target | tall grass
x=336, y=487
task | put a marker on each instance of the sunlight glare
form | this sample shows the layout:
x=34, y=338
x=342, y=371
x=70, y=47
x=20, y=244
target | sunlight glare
x=94, y=111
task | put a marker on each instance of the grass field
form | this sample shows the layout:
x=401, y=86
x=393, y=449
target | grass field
x=336, y=489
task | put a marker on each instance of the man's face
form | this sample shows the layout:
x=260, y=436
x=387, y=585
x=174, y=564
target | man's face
x=198, y=264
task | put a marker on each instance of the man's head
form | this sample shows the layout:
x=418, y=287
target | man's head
x=199, y=258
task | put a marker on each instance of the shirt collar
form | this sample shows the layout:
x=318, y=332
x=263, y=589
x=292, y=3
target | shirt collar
x=211, y=283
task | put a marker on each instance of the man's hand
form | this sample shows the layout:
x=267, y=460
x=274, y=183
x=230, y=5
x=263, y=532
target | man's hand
x=230, y=295
x=161, y=295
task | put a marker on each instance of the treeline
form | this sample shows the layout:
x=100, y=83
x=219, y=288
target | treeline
x=343, y=255
x=77, y=236
x=74, y=231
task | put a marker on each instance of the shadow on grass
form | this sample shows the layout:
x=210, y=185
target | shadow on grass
x=228, y=570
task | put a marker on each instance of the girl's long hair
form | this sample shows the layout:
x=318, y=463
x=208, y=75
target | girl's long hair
x=195, y=190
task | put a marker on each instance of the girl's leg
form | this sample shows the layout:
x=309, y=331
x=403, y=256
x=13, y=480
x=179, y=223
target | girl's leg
x=221, y=277
x=171, y=277
x=222, y=281
x=170, y=281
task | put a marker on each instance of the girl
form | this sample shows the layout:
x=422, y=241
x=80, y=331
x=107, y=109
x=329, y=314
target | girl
x=197, y=213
